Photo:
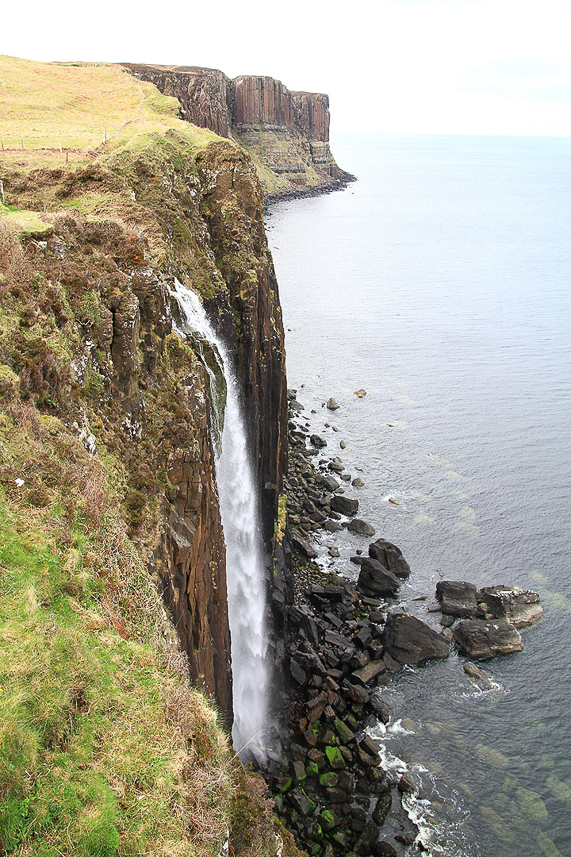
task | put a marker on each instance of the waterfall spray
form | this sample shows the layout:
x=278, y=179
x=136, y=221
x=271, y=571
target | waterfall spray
x=239, y=511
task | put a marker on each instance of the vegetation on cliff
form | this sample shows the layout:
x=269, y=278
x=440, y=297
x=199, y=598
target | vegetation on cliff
x=106, y=475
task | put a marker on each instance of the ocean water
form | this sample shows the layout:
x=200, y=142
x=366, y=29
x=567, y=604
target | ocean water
x=440, y=283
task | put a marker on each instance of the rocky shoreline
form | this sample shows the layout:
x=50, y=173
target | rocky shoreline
x=338, y=183
x=344, y=640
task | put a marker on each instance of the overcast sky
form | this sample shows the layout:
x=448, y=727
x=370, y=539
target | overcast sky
x=433, y=66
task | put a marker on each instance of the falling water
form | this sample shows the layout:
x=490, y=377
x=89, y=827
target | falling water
x=240, y=519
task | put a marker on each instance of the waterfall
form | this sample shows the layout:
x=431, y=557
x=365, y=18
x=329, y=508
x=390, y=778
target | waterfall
x=238, y=498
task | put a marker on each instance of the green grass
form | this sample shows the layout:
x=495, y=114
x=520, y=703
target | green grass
x=26, y=222
x=89, y=763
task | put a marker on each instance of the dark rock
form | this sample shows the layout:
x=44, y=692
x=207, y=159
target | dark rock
x=458, y=598
x=375, y=579
x=332, y=405
x=336, y=465
x=295, y=405
x=368, y=673
x=382, y=808
x=447, y=621
x=330, y=483
x=519, y=607
x=317, y=441
x=367, y=838
x=380, y=708
x=480, y=639
x=358, y=482
x=336, y=795
x=332, y=526
x=302, y=802
x=357, y=693
x=331, y=593
x=384, y=849
x=297, y=672
x=410, y=641
x=390, y=556
x=303, y=546
x=363, y=635
x=346, y=736
x=344, y=505
x=360, y=527
x=357, y=560
x=406, y=784
x=346, y=477
x=483, y=678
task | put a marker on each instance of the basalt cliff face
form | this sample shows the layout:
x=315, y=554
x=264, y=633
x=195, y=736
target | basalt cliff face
x=287, y=133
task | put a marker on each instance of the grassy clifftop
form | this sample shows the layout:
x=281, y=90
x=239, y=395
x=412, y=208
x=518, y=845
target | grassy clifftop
x=105, y=747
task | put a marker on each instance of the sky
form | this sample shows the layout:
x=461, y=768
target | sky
x=397, y=66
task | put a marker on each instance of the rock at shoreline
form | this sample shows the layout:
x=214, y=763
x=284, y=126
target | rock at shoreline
x=332, y=405
x=362, y=528
x=458, y=598
x=336, y=465
x=483, y=678
x=519, y=607
x=317, y=441
x=360, y=393
x=375, y=579
x=344, y=505
x=303, y=546
x=480, y=639
x=390, y=556
x=410, y=641
x=330, y=483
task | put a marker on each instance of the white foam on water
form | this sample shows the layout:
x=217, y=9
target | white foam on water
x=245, y=569
x=439, y=839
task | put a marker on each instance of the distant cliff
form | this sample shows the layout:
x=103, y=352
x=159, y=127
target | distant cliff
x=287, y=133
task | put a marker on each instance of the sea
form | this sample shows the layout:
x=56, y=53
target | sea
x=440, y=284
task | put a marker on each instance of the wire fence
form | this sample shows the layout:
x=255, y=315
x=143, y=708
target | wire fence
x=23, y=144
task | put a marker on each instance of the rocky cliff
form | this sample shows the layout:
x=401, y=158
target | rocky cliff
x=287, y=133
x=107, y=460
x=164, y=209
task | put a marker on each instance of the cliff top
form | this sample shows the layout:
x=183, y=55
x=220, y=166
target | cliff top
x=75, y=106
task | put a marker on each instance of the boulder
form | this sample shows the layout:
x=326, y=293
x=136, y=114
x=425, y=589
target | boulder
x=336, y=465
x=303, y=546
x=458, y=598
x=368, y=673
x=317, y=441
x=330, y=483
x=480, y=639
x=332, y=405
x=483, y=678
x=519, y=607
x=344, y=505
x=375, y=579
x=360, y=527
x=390, y=556
x=410, y=641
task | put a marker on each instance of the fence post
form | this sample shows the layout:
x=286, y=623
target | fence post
x=2, y=190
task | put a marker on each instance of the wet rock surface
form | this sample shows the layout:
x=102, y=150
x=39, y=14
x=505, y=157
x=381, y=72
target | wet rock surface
x=480, y=639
